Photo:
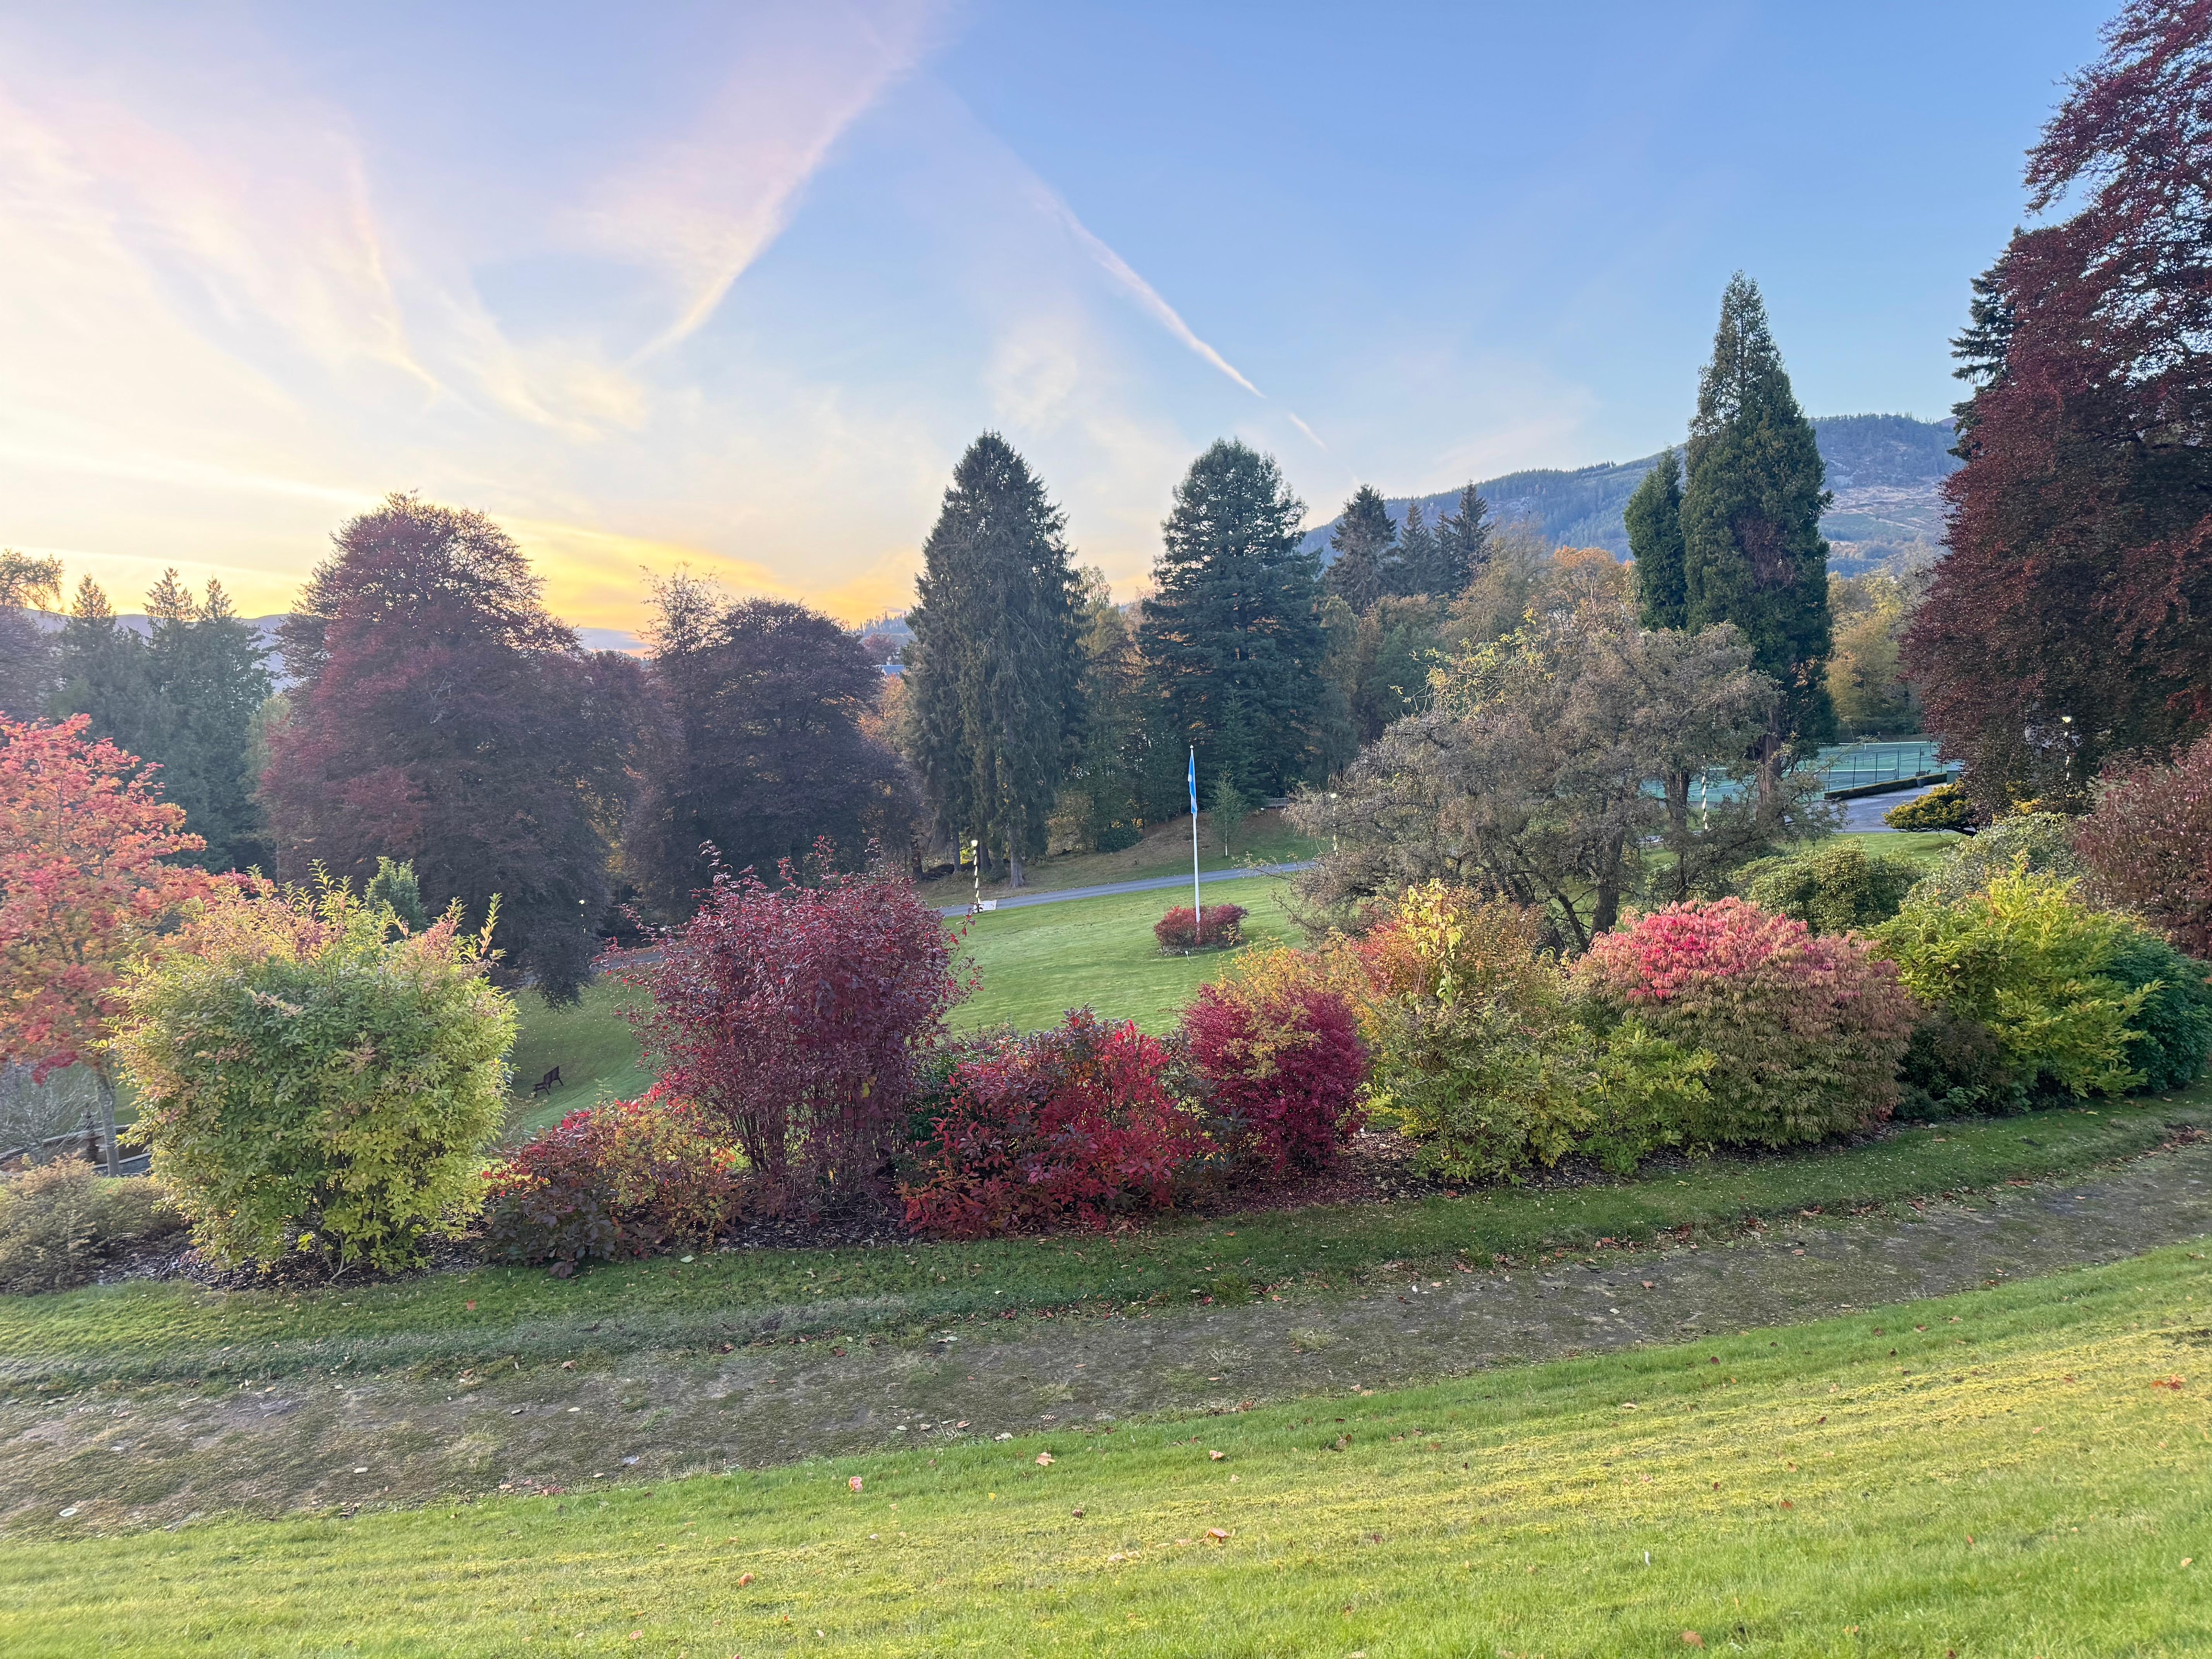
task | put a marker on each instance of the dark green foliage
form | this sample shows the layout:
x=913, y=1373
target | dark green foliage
x=1226, y=809
x=1379, y=664
x=1117, y=732
x=1832, y=889
x=1462, y=545
x=1654, y=517
x=1417, y=565
x=994, y=672
x=2173, y=1027
x=394, y=888
x=184, y=699
x=1232, y=644
x=1366, y=565
x=1118, y=837
x=27, y=652
x=1752, y=552
x=1954, y=1065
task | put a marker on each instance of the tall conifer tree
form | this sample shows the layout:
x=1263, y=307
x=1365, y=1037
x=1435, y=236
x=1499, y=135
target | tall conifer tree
x=995, y=670
x=1752, y=552
x=1366, y=565
x=1233, y=645
x=1417, y=571
x=1653, y=515
x=1462, y=543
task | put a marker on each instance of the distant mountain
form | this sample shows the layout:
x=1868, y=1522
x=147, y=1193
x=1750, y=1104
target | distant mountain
x=1883, y=470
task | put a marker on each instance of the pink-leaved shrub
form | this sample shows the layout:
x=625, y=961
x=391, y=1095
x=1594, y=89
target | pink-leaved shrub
x=1806, y=1031
x=1184, y=930
x=1276, y=1054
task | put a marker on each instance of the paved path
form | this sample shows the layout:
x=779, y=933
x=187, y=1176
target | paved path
x=157, y=1454
x=1015, y=900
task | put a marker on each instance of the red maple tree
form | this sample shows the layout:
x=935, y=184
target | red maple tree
x=2072, y=621
x=83, y=836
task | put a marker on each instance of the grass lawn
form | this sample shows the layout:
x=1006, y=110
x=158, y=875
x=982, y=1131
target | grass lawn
x=2023, y=1471
x=592, y=1044
x=1926, y=848
x=173, y=1330
x=1263, y=838
x=1040, y=961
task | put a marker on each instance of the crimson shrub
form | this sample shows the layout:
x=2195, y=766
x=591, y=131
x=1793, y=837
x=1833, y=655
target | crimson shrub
x=1276, y=1051
x=793, y=1015
x=2149, y=846
x=1181, y=929
x=1072, y=1123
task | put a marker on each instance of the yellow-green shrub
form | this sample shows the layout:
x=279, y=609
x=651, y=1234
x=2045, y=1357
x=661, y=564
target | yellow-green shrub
x=306, y=1083
x=60, y=1222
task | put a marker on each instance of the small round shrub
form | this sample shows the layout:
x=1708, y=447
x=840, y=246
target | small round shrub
x=1118, y=837
x=1833, y=889
x=624, y=1178
x=2041, y=842
x=2173, y=1030
x=1182, y=930
x=1947, y=807
x=1072, y=1124
x=307, y=1084
x=61, y=1222
x=1277, y=1053
x=2034, y=969
x=1805, y=1031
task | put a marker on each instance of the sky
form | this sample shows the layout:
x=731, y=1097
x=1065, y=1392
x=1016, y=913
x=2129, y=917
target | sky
x=731, y=285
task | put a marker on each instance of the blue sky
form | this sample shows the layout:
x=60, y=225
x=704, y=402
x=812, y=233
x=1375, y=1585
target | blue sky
x=733, y=285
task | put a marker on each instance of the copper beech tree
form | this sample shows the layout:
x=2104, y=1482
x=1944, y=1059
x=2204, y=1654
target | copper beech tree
x=84, y=883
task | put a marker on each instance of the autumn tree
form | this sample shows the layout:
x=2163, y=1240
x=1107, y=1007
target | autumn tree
x=2071, y=623
x=86, y=882
x=759, y=751
x=443, y=716
x=1753, y=495
x=1529, y=774
x=993, y=701
x=1232, y=642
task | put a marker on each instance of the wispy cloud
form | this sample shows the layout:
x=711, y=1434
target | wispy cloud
x=705, y=206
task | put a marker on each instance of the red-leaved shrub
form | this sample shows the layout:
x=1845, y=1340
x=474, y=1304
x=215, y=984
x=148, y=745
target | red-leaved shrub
x=1277, y=1053
x=2148, y=846
x=794, y=1015
x=1806, y=1031
x=1182, y=929
x=625, y=1178
x=1073, y=1123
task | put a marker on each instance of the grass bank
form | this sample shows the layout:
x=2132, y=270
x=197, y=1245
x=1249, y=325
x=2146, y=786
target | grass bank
x=2020, y=1471
x=173, y=1330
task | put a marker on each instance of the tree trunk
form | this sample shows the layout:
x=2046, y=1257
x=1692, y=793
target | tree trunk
x=1678, y=829
x=1013, y=868
x=107, y=1118
x=1606, y=911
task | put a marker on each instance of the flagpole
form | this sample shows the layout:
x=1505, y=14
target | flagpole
x=1197, y=906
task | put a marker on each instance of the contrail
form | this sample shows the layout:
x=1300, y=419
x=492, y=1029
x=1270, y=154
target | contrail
x=1144, y=294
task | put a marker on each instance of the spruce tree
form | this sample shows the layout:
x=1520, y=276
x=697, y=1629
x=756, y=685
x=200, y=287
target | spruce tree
x=995, y=671
x=1462, y=544
x=1752, y=552
x=1653, y=515
x=205, y=679
x=1232, y=642
x=1366, y=565
x=1417, y=571
x=27, y=651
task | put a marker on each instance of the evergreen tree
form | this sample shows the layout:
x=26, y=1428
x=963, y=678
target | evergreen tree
x=1366, y=565
x=995, y=668
x=1462, y=544
x=27, y=652
x=1653, y=515
x=1418, y=570
x=1752, y=552
x=1232, y=643
x=204, y=679
x=1111, y=775
x=394, y=884
x=103, y=673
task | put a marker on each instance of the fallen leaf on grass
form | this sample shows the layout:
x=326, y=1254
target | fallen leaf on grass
x=854, y=1483
x=1691, y=1639
x=1216, y=1456
x=1217, y=1535
x=1044, y=1459
x=743, y=1578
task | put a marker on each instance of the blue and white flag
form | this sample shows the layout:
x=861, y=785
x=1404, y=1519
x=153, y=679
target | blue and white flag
x=1194, y=782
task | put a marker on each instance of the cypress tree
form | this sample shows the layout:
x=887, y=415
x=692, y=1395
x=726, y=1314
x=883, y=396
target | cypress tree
x=1653, y=515
x=1366, y=566
x=1752, y=552
x=995, y=671
x=1462, y=544
x=1233, y=645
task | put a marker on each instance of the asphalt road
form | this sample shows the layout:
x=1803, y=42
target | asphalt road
x=1151, y=884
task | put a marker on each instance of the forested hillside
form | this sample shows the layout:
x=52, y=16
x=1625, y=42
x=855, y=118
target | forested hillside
x=1883, y=470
